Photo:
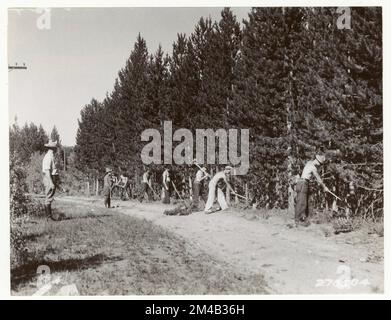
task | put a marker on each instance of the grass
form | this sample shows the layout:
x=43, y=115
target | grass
x=104, y=252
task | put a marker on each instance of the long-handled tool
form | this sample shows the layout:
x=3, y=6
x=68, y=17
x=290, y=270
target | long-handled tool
x=154, y=192
x=238, y=195
x=333, y=194
x=176, y=190
x=344, y=201
x=199, y=167
x=188, y=206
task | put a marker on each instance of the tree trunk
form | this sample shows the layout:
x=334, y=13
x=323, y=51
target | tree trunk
x=291, y=199
x=190, y=188
x=246, y=192
x=97, y=187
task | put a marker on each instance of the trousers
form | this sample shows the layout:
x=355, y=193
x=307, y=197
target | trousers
x=50, y=189
x=302, y=200
x=220, y=198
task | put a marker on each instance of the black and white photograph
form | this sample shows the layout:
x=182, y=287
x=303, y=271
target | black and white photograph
x=195, y=151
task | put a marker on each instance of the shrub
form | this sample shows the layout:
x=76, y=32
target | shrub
x=18, y=209
x=72, y=181
x=34, y=173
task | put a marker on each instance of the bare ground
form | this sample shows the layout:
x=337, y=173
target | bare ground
x=263, y=245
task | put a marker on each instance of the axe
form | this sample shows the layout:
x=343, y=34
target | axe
x=199, y=167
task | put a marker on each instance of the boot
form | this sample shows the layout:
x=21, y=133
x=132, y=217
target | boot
x=47, y=210
x=51, y=215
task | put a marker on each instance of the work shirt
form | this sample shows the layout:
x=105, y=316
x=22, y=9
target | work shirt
x=199, y=175
x=124, y=180
x=309, y=171
x=107, y=181
x=219, y=179
x=145, y=177
x=166, y=176
x=48, y=163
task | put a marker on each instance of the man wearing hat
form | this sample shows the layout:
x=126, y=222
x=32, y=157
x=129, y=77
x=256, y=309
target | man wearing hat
x=49, y=171
x=218, y=184
x=107, y=186
x=302, y=189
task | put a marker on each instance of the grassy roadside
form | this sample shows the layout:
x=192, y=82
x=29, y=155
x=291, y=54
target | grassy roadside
x=104, y=252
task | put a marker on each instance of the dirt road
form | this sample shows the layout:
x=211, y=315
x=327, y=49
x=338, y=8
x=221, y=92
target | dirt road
x=293, y=260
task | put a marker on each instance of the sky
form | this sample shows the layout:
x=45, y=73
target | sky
x=74, y=55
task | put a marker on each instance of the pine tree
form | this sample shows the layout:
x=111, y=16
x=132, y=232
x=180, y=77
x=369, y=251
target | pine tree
x=89, y=147
x=259, y=99
x=27, y=140
x=183, y=83
x=55, y=136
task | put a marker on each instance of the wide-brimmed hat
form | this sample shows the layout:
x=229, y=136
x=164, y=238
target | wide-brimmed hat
x=109, y=170
x=228, y=168
x=51, y=144
x=321, y=159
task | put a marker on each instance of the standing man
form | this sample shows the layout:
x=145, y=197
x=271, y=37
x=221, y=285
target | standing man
x=123, y=183
x=107, y=186
x=166, y=185
x=145, y=185
x=198, y=184
x=303, y=192
x=49, y=171
x=217, y=184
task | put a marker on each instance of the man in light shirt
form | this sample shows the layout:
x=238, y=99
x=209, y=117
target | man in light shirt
x=166, y=185
x=198, y=184
x=124, y=184
x=145, y=185
x=216, y=185
x=302, y=188
x=49, y=171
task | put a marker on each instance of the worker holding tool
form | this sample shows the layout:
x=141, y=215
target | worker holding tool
x=303, y=192
x=166, y=185
x=145, y=185
x=124, y=186
x=201, y=175
x=216, y=185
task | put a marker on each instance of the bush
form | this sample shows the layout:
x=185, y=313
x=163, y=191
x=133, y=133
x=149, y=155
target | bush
x=18, y=209
x=34, y=179
x=72, y=182
x=18, y=188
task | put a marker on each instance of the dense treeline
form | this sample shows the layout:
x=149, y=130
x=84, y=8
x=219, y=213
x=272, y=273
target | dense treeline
x=290, y=75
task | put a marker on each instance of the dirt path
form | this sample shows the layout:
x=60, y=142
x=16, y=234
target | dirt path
x=293, y=260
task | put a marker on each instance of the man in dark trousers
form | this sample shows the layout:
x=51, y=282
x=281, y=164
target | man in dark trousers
x=198, y=185
x=49, y=171
x=166, y=180
x=145, y=185
x=107, y=186
x=303, y=192
x=124, y=186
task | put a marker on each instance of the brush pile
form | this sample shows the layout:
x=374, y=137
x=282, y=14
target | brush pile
x=183, y=209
